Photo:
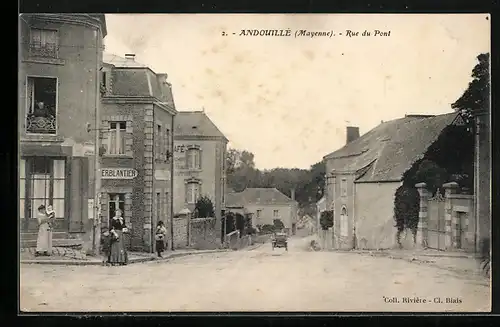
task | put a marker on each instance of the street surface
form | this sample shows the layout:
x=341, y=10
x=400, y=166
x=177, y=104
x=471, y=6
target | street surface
x=257, y=280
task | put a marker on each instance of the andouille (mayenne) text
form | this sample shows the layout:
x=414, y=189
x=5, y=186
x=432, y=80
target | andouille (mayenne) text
x=284, y=32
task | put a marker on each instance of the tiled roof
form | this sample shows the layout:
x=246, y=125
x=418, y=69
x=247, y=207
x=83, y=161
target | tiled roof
x=261, y=196
x=195, y=123
x=387, y=151
x=130, y=78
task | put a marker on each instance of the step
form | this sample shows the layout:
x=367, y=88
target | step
x=33, y=235
x=65, y=242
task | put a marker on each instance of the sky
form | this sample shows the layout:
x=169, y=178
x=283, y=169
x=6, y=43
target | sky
x=288, y=100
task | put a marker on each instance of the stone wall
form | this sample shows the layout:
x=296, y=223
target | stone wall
x=203, y=235
x=180, y=232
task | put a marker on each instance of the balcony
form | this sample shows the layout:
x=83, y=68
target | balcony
x=45, y=50
x=41, y=124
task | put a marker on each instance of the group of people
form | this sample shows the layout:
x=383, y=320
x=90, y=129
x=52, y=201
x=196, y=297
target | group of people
x=116, y=248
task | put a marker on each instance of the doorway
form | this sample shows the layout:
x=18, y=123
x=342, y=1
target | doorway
x=116, y=201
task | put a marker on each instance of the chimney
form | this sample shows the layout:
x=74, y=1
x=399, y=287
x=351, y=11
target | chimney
x=130, y=56
x=292, y=194
x=352, y=133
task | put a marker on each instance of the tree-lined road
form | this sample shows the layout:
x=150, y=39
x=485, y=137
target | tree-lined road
x=258, y=280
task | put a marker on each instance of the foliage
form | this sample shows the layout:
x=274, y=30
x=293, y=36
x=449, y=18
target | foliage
x=278, y=224
x=476, y=97
x=326, y=219
x=267, y=229
x=485, y=255
x=406, y=210
x=204, y=208
x=250, y=231
x=308, y=183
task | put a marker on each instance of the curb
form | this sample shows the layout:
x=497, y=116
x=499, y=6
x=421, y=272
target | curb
x=101, y=263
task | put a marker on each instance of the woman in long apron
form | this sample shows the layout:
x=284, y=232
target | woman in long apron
x=44, y=239
x=118, y=253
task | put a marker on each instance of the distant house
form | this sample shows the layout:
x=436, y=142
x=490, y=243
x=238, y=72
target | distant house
x=199, y=161
x=265, y=205
x=364, y=174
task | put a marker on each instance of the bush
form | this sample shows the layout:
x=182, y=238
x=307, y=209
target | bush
x=267, y=229
x=250, y=231
x=278, y=224
x=326, y=219
x=204, y=208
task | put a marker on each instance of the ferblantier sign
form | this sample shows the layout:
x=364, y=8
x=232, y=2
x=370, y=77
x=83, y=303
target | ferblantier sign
x=118, y=173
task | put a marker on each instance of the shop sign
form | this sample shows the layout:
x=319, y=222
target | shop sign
x=118, y=173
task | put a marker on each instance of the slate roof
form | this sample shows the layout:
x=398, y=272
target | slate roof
x=388, y=150
x=195, y=123
x=131, y=78
x=260, y=196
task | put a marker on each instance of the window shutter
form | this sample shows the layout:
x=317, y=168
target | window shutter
x=200, y=155
x=199, y=191
x=105, y=137
x=186, y=195
x=186, y=155
x=166, y=146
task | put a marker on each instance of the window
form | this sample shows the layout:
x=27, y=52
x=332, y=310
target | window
x=344, y=223
x=167, y=149
x=116, y=140
x=193, y=159
x=343, y=187
x=116, y=201
x=276, y=213
x=44, y=43
x=41, y=101
x=258, y=214
x=192, y=192
x=158, y=207
x=166, y=208
x=104, y=83
x=42, y=181
x=158, y=143
x=22, y=187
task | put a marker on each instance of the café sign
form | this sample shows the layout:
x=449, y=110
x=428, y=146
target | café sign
x=118, y=173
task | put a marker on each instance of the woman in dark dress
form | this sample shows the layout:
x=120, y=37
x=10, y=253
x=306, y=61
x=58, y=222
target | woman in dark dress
x=117, y=253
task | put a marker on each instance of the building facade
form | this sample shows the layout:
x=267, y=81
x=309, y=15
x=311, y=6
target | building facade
x=137, y=119
x=60, y=58
x=265, y=205
x=363, y=176
x=199, y=162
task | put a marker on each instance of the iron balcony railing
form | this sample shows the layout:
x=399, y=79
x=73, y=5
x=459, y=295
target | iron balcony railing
x=50, y=50
x=41, y=125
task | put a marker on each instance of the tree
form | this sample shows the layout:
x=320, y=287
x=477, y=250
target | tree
x=204, y=208
x=476, y=97
x=326, y=219
x=431, y=174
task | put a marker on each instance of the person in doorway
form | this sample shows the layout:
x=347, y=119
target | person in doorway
x=44, y=239
x=160, y=236
x=117, y=253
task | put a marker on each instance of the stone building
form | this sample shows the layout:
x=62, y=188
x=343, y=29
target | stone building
x=199, y=162
x=362, y=177
x=137, y=117
x=58, y=85
x=265, y=205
